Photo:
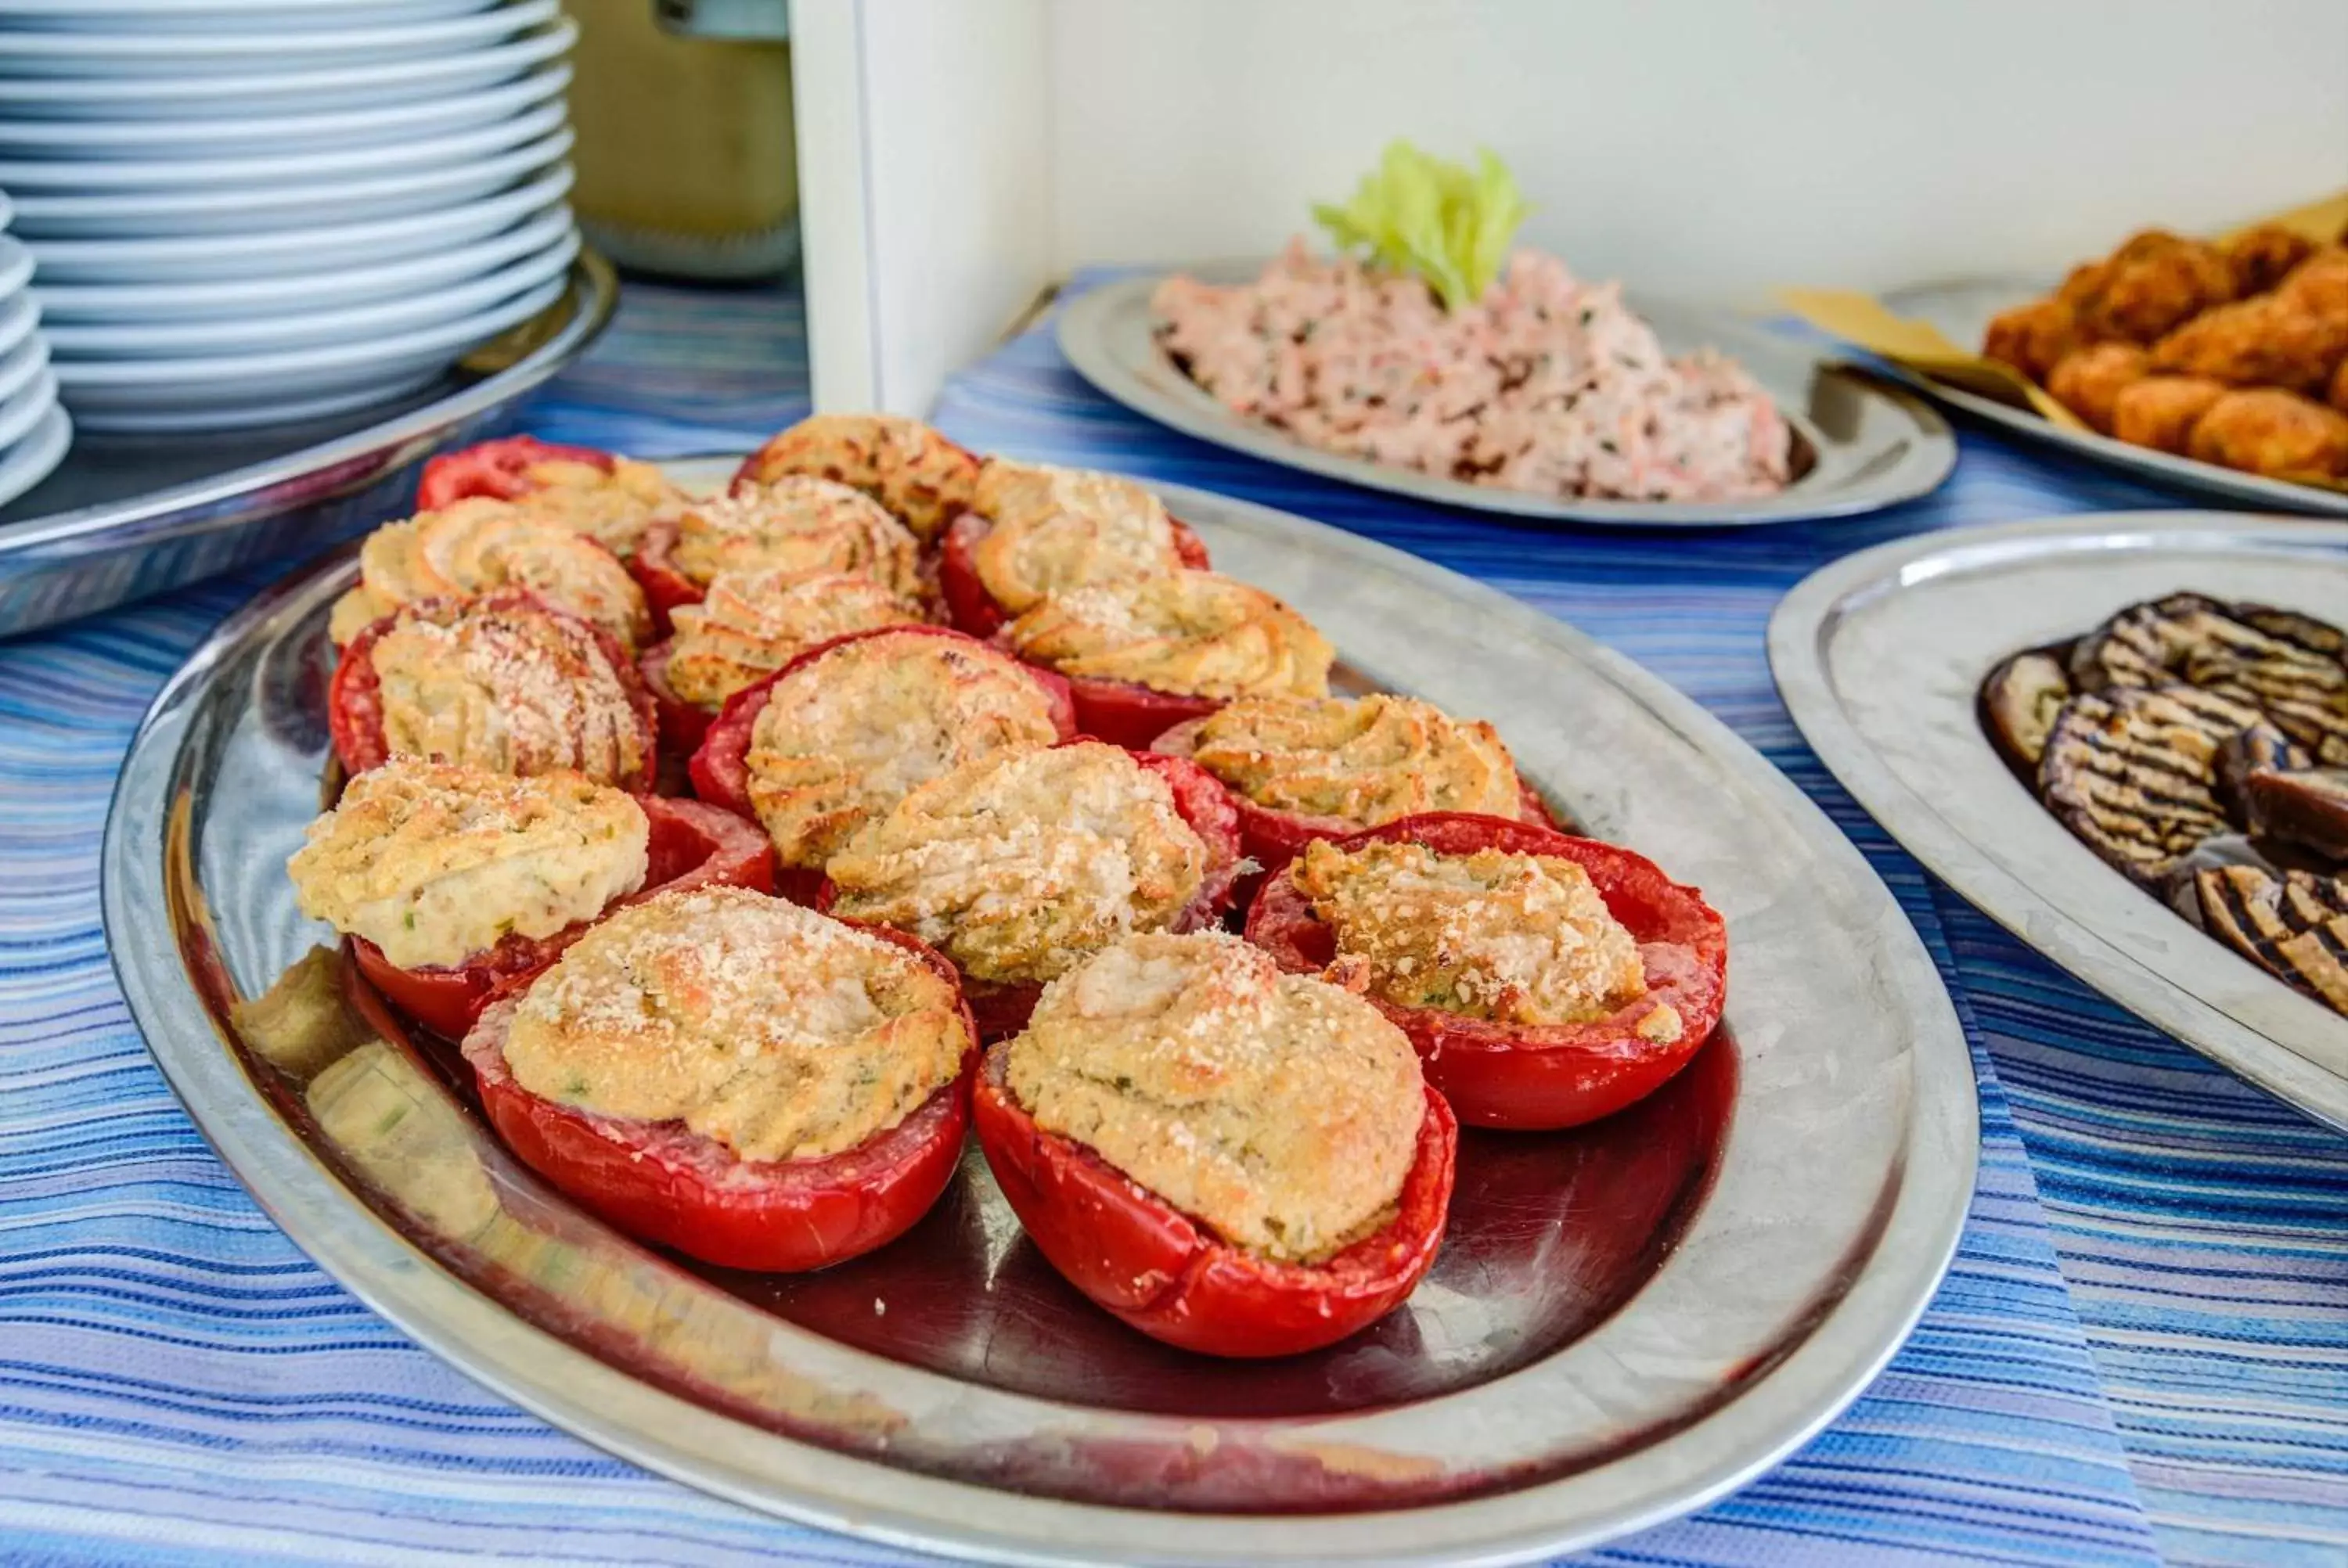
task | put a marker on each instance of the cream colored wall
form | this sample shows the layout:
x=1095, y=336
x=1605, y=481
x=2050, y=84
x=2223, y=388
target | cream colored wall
x=1709, y=148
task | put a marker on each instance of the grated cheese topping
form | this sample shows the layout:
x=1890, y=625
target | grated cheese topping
x=754, y=622
x=1516, y=938
x=434, y=862
x=510, y=689
x=477, y=545
x=1019, y=864
x=1362, y=760
x=1192, y=632
x=920, y=476
x=611, y=507
x=1056, y=529
x=1280, y=1110
x=845, y=738
x=777, y=1031
x=796, y=524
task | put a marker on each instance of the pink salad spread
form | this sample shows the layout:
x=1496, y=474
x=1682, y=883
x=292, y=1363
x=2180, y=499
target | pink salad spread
x=1549, y=384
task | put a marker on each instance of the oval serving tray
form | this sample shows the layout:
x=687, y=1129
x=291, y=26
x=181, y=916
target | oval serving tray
x=1879, y=657
x=1627, y=1322
x=129, y=515
x=1870, y=445
x=1962, y=310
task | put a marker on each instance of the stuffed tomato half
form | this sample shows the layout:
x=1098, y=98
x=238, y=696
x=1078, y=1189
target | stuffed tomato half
x=688, y=1071
x=452, y=883
x=1145, y=653
x=1232, y=1160
x=1020, y=864
x=504, y=681
x=610, y=499
x=1547, y=980
x=795, y=526
x=1033, y=531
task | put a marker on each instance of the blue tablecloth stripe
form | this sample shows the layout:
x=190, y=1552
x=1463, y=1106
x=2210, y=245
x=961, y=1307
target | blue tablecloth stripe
x=2142, y=1349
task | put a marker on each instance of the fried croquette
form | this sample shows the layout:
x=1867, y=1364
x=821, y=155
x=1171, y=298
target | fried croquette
x=2154, y=283
x=2088, y=380
x=2274, y=339
x=2160, y=411
x=2278, y=433
x=2262, y=256
x=2032, y=338
x=2320, y=283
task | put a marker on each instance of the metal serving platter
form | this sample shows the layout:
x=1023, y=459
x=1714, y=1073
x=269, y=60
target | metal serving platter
x=1962, y=310
x=1626, y=1321
x=1869, y=445
x=128, y=515
x=1879, y=657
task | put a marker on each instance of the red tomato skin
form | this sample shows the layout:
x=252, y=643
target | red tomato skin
x=666, y=588
x=1272, y=838
x=1148, y=1263
x=691, y=846
x=666, y=1185
x=1002, y=1006
x=498, y=469
x=682, y=724
x=1546, y=1076
x=355, y=694
x=719, y=766
x=977, y=612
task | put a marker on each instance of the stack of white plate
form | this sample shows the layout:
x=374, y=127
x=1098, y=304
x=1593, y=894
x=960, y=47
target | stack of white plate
x=33, y=431
x=253, y=212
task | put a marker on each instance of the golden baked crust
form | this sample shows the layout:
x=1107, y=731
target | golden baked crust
x=1277, y=1109
x=1057, y=529
x=434, y=862
x=477, y=545
x=1196, y=633
x=1362, y=760
x=781, y=1033
x=853, y=733
x=796, y=524
x=507, y=688
x=1019, y=864
x=613, y=507
x=1516, y=938
x=915, y=472
x=752, y=623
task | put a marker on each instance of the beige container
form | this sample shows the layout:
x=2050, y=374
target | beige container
x=686, y=159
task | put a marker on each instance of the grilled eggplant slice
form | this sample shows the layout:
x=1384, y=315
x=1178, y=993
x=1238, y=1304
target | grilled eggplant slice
x=2132, y=773
x=2018, y=704
x=2308, y=807
x=2193, y=639
x=2298, y=630
x=2294, y=926
x=2318, y=961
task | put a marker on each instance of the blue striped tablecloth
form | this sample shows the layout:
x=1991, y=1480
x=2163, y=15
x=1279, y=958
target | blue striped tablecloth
x=2141, y=1353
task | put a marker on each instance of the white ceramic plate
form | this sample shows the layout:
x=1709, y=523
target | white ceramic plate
x=19, y=314
x=229, y=16
x=20, y=175
x=170, y=141
x=15, y=266
x=263, y=330
x=21, y=366
x=238, y=209
x=235, y=415
x=279, y=92
x=137, y=50
x=22, y=409
x=212, y=389
x=35, y=457
x=198, y=259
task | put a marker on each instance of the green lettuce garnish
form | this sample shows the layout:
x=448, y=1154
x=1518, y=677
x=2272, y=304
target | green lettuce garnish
x=1436, y=220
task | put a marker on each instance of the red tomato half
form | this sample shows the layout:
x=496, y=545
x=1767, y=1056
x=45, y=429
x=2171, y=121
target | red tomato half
x=1272, y=838
x=720, y=766
x=1533, y=1076
x=1165, y=1273
x=665, y=586
x=691, y=846
x=978, y=612
x=682, y=724
x=355, y=695
x=665, y=1184
x=1002, y=1006
x=498, y=469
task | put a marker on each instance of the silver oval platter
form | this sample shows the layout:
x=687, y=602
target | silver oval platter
x=126, y=516
x=1870, y=445
x=1764, y=1233
x=1962, y=310
x=1879, y=657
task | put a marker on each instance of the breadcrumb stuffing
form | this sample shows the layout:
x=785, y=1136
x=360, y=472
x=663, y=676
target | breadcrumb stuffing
x=479, y=545
x=796, y=524
x=755, y=621
x=1056, y=529
x=1361, y=760
x=1191, y=632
